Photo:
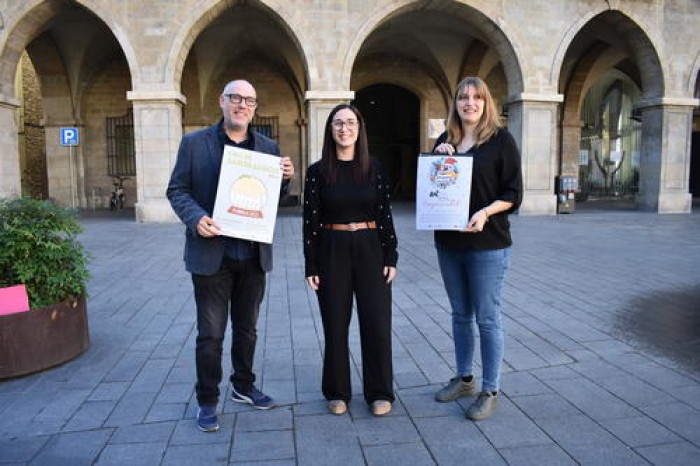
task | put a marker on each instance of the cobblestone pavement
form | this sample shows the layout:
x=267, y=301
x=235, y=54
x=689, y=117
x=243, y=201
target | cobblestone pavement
x=602, y=314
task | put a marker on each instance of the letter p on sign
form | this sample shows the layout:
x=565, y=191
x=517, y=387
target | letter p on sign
x=69, y=136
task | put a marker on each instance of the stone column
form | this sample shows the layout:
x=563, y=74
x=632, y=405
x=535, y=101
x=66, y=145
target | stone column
x=532, y=119
x=667, y=126
x=570, y=148
x=157, y=134
x=65, y=166
x=10, y=176
x=319, y=106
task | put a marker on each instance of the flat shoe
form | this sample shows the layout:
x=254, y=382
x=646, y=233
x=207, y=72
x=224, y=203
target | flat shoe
x=381, y=407
x=337, y=407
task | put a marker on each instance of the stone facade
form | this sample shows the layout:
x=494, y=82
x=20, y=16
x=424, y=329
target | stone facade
x=167, y=62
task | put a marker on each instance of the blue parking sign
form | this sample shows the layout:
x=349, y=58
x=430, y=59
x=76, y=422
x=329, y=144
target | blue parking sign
x=70, y=136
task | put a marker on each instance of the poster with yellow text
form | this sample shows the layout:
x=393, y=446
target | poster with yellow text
x=248, y=194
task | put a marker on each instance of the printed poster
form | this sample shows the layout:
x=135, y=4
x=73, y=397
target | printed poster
x=443, y=190
x=248, y=194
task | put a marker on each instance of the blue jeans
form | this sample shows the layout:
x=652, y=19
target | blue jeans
x=474, y=284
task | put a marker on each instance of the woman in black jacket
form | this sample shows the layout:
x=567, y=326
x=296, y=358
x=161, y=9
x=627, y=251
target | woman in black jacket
x=350, y=249
x=473, y=261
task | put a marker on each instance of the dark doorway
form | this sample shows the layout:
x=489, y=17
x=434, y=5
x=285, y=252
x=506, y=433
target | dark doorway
x=392, y=115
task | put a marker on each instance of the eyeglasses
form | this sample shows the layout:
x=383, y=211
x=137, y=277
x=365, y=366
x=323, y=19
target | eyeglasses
x=237, y=99
x=349, y=124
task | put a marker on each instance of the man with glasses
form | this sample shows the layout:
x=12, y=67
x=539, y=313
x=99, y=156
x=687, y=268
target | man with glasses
x=228, y=274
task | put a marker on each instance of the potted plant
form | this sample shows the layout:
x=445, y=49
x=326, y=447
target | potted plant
x=39, y=248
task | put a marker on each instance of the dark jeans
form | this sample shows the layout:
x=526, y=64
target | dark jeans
x=240, y=284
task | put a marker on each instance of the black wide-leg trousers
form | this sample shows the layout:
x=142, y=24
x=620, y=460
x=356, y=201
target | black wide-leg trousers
x=351, y=263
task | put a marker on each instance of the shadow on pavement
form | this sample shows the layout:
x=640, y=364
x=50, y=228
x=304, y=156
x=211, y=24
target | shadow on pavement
x=666, y=323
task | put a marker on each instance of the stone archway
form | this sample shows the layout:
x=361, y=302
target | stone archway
x=606, y=45
x=68, y=51
x=223, y=49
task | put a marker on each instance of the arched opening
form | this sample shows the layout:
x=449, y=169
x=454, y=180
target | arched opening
x=609, y=68
x=225, y=50
x=72, y=74
x=392, y=114
x=609, y=157
x=694, y=183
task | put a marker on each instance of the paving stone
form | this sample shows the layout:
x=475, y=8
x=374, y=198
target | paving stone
x=166, y=412
x=109, y=391
x=537, y=455
x=136, y=454
x=326, y=439
x=592, y=400
x=15, y=450
x=639, y=431
x=266, y=445
x=75, y=448
x=509, y=427
x=392, y=429
x=678, y=417
x=398, y=454
x=91, y=415
x=671, y=454
x=159, y=432
x=259, y=420
x=453, y=439
x=547, y=406
x=188, y=455
x=522, y=383
x=587, y=442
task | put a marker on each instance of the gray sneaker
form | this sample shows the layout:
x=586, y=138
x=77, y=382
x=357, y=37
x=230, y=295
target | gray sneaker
x=456, y=388
x=483, y=407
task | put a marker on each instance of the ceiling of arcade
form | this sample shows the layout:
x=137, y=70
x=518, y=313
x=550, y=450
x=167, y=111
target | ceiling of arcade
x=68, y=52
x=453, y=40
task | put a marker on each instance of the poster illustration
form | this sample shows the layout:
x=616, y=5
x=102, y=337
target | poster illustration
x=443, y=191
x=247, y=194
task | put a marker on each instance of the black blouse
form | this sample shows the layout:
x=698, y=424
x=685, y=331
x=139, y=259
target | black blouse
x=496, y=175
x=346, y=201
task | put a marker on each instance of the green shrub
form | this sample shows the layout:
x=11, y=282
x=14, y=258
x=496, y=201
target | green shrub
x=39, y=248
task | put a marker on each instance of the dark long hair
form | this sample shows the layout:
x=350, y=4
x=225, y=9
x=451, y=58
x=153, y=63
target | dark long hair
x=329, y=159
x=490, y=121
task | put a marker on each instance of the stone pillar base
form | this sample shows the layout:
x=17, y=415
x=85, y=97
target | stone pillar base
x=538, y=204
x=668, y=203
x=155, y=210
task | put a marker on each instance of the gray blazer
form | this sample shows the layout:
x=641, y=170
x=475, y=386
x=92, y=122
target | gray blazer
x=192, y=192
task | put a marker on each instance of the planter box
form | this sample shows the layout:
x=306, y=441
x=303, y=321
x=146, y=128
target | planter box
x=41, y=338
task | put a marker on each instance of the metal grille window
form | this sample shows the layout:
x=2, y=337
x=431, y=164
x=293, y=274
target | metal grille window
x=269, y=126
x=121, y=159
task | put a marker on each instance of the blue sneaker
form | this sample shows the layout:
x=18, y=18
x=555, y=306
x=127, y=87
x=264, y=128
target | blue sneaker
x=206, y=418
x=252, y=396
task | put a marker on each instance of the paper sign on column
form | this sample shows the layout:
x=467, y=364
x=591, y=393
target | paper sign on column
x=443, y=191
x=248, y=194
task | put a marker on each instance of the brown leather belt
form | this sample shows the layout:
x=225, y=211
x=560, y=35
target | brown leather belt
x=351, y=226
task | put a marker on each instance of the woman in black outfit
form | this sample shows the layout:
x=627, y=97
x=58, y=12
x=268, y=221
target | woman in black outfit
x=473, y=261
x=350, y=249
